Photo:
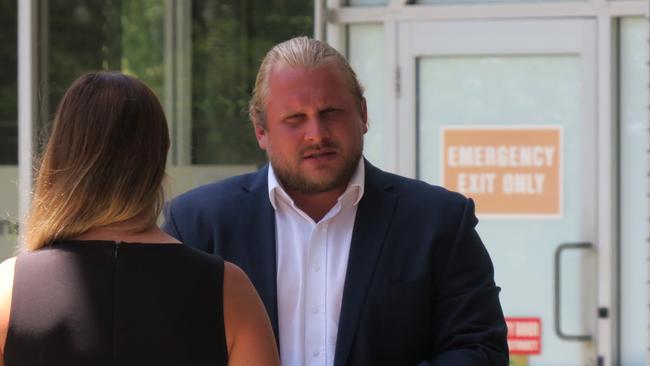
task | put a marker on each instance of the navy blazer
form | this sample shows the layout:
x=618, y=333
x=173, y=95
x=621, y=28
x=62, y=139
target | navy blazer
x=419, y=287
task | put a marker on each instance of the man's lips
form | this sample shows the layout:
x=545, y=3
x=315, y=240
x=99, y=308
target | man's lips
x=315, y=154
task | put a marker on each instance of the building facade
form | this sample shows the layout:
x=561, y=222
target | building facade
x=538, y=110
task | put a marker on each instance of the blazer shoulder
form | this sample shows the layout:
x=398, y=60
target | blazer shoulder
x=419, y=191
x=216, y=194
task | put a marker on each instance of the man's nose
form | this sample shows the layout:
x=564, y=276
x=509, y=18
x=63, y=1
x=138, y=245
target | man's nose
x=317, y=130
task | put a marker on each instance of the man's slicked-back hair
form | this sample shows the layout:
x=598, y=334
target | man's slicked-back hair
x=297, y=52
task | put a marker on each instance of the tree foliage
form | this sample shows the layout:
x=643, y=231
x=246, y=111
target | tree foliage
x=229, y=38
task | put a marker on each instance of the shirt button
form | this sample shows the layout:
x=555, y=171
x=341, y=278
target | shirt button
x=317, y=268
x=316, y=353
x=314, y=310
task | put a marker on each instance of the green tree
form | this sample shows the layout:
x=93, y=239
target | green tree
x=229, y=39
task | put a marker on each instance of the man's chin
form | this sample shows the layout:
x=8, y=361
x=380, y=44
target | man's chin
x=315, y=179
x=311, y=186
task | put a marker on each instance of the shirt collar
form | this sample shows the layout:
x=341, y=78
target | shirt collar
x=355, y=186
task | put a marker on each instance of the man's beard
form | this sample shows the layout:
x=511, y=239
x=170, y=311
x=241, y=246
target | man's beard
x=292, y=179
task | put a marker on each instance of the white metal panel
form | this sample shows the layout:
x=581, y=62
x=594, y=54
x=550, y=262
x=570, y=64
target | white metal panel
x=335, y=33
x=607, y=214
x=487, y=11
x=648, y=217
x=319, y=19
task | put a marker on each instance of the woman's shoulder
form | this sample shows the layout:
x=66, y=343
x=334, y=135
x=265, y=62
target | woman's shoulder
x=249, y=336
x=235, y=282
x=197, y=255
x=6, y=286
x=7, y=265
x=239, y=295
x=6, y=277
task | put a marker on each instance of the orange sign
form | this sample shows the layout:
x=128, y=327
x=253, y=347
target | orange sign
x=524, y=336
x=507, y=171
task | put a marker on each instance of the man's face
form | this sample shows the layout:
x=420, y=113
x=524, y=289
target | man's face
x=314, y=128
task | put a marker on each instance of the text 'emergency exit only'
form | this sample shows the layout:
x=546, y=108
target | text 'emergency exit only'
x=508, y=171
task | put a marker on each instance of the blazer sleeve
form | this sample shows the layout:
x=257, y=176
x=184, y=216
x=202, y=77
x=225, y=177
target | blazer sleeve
x=468, y=318
x=169, y=225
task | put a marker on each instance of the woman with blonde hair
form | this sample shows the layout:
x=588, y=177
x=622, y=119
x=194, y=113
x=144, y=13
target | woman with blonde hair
x=99, y=283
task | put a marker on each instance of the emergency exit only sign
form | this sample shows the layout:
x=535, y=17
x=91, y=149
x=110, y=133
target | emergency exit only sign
x=508, y=171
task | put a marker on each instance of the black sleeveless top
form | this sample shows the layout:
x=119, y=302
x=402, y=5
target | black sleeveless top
x=101, y=303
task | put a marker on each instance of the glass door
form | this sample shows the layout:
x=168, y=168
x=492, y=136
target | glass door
x=503, y=111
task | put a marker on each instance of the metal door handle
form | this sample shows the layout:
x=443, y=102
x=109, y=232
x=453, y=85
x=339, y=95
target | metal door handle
x=558, y=323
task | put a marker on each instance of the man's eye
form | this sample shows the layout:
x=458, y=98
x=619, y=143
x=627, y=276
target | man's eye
x=329, y=111
x=293, y=119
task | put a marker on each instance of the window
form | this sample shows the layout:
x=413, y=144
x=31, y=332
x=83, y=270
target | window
x=229, y=39
x=8, y=83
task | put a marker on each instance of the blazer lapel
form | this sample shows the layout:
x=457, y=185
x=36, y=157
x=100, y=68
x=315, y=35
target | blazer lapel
x=374, y=215
x=259, y=235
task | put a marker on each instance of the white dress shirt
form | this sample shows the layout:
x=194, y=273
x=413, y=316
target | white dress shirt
x=312, y=259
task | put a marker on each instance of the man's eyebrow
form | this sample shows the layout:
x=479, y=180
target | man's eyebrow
x=331, y=106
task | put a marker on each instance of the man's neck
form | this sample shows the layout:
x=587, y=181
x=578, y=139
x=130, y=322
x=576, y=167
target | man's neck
x=316, y=205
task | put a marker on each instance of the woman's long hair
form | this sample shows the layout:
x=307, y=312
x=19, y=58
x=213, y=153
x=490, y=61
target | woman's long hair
x=104, y=162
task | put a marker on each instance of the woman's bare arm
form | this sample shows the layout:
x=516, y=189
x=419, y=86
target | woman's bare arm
x=6, y=286
x=249, y=336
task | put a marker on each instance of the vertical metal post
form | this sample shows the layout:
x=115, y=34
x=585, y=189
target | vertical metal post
x=335, y=34
x=170, y=80
x=607, y=196
x=647, y=253
x=41, y=78
x=27, y=75
x=319, y=19
x=183, y=74
x=178, y=78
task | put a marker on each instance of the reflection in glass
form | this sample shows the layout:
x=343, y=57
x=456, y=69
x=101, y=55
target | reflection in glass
x=85, y=36
x=8, y=127
x=8, y=83
x=633, y=185
x=366, y=55
x=229, y=39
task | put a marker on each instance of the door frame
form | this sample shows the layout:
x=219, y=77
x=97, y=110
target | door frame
x=507, y=37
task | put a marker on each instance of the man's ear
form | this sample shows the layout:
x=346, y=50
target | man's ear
x=260, y=134
x=363, y=108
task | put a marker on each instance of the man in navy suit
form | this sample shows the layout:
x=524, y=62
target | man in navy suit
x=355, y=266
